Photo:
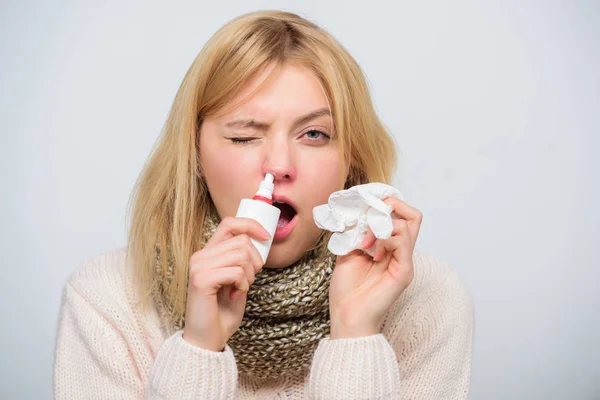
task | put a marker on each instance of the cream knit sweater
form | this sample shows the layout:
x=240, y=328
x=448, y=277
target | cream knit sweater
x=106, y=349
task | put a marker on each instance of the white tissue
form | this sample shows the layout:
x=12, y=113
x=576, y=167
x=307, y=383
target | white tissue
x=350, y=213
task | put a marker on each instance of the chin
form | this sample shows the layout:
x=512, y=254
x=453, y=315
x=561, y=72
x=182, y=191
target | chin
x=285, y=252
x=280, y=256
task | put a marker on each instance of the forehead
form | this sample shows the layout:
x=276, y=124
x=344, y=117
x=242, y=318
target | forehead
x=287, y=91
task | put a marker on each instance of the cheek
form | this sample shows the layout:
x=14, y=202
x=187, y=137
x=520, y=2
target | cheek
x=219, y=168
x=226, y=174
x=229, y=163
x=323, y=173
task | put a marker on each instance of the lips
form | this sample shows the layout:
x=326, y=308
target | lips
x=278, y=198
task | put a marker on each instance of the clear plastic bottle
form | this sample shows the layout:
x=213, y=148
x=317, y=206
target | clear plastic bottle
x=261, y=209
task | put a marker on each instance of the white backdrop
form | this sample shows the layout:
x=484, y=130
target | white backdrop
x=496, y=107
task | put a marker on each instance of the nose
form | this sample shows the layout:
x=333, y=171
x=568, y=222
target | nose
x=279, y=160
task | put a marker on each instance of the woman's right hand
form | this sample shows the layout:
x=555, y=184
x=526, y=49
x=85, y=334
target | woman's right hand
x=219, y=277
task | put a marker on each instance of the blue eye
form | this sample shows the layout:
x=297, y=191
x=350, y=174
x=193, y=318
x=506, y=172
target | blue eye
x=314, y=134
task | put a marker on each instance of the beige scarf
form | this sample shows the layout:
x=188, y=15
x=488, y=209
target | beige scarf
x=287, y=313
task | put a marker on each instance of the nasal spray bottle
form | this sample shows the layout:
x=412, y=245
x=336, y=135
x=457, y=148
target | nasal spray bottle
x=261, y=209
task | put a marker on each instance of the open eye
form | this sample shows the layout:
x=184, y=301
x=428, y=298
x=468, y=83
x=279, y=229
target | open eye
x=314, y=135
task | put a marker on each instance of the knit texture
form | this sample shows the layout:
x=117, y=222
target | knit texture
x=107, y=349
x=287, y=312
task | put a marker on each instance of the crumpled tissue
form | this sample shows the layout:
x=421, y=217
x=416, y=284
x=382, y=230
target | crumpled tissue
x=350, y=213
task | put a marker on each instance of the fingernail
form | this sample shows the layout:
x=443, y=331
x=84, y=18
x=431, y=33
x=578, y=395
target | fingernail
x=265, y=234
x=363, y=243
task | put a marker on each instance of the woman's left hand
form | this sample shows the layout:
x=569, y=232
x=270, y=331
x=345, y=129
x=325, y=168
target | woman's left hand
x=363, y=288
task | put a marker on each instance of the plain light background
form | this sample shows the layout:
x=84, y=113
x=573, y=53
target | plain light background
x=495, y=105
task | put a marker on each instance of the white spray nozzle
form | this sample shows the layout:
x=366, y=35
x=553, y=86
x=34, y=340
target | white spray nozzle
x=265, y=189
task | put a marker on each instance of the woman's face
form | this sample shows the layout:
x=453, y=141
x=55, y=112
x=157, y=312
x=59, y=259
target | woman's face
x=284, y=129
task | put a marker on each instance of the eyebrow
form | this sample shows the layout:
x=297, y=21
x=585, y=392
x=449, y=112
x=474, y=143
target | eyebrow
x=252, y=123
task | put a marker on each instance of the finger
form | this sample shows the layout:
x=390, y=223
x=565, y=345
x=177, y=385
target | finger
x=396, y=268
x=379, y=251
x=400, y=245
x=402, y=210
x=368, y=240
x=221, y=277
x=218, y=259
x=355, y=265
x=400, y=227
x=230, y=227
x=232, y=276
x=235, y=292
x=341, y=260
x=255, y=257
x=238, y=257
x=394, y=283
x=238, y=242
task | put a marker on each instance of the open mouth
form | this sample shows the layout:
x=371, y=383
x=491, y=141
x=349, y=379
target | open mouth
x=287, y=219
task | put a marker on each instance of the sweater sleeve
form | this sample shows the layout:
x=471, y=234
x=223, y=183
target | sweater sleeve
x=94, y=361
x=185, y=371
x=354, y=368
x=435, y=345
x=428, y=355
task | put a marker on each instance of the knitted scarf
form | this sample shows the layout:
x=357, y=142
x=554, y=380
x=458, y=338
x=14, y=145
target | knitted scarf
x=287, y=313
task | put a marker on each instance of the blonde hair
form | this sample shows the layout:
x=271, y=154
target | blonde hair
x=170, y=201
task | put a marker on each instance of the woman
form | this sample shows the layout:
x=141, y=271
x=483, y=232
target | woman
x=188, y=310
